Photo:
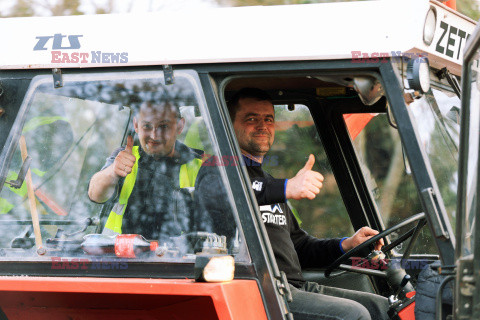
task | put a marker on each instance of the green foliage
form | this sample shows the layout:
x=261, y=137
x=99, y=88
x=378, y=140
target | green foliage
x=66, y=8
x=468, y=8
x=23, y=8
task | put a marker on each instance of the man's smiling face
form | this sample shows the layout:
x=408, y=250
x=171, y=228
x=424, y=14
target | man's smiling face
x=157, y=127
x=254, y=126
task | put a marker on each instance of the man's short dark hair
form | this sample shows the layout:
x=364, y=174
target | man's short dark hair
x=246, y=93
x=150, y=104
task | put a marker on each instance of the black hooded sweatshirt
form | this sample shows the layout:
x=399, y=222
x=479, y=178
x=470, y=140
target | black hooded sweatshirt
x=294, y=249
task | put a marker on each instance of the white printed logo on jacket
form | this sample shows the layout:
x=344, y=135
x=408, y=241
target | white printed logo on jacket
x=269, y=216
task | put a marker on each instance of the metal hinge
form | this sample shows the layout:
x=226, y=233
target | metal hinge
x=57, y=78
x=284, y=290
x=465, y=289
x=168, y=74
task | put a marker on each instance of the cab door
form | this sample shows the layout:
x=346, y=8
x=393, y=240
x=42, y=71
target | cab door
x=467, y=297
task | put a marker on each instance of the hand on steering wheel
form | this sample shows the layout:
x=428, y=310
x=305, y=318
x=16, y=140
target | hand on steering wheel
x=342, y=259
x=362, y=235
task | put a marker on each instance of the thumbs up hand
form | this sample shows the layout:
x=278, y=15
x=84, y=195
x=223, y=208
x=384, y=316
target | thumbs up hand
x=129, y=146
x=125, y=160
x=306, y=183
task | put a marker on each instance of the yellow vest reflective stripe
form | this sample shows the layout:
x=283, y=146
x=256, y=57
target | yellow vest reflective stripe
x=192, y=138
x=114, y=221
x=189, y=172
x=187, y=176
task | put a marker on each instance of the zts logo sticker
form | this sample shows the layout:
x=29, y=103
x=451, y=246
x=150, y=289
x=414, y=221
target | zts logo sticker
x=59, y=43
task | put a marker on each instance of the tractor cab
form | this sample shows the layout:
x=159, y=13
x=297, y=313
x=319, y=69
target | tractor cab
x=373, y=94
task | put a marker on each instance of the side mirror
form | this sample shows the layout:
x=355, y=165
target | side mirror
x=368, y=88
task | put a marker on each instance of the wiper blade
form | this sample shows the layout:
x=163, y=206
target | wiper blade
x=21, y=174
x=451, y=79
x=439, y=117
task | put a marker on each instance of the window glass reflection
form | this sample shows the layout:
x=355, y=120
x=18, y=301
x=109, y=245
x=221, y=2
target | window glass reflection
x=145, y=142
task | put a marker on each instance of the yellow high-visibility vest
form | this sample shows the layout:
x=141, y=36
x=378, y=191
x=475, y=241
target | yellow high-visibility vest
x=188, y=174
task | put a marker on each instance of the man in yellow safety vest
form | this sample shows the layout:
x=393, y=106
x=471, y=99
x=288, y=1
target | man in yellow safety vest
x=150, y=184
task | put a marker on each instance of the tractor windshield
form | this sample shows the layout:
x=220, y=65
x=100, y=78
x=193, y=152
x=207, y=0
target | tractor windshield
x=80, y=130
x=437, y=115
x=387, y=170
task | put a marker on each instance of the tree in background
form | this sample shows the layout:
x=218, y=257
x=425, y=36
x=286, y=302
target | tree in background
x=469, y=8
x=239, y=3
x=28, y=8
x=22, y=8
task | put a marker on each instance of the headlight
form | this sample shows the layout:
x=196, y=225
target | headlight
x=418, y=74
x=214, y=268
x=430, y=26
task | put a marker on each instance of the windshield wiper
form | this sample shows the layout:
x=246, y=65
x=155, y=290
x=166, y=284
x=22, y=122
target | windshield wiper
x=443, y=127
x=451, y=79
x=21, y=175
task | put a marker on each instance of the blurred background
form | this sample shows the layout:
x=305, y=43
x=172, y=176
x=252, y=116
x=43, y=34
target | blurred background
x=27, y=8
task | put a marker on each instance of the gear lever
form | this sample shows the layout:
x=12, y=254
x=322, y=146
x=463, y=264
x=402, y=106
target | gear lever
x=394, y=298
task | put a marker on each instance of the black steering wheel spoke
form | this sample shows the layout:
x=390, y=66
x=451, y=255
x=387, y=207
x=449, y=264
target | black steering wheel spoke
x=355, y=251
x=399, y=240
x=414, y=237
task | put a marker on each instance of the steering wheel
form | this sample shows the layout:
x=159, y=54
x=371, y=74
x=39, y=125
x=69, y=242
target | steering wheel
x=420, y=217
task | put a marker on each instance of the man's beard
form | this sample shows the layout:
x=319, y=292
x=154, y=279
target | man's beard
x=154, y=152
x=257, y=149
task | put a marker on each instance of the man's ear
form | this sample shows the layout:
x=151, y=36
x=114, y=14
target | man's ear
x=180, y=125
x=135, y=124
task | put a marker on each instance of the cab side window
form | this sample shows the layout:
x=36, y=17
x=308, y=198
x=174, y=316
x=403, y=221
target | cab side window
x=387, y=174
x=295, y=138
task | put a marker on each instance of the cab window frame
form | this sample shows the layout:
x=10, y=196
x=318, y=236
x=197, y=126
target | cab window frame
x=245, y=269
x=388, y=76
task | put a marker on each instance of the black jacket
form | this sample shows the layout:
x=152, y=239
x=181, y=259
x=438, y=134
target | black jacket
x=294, y=249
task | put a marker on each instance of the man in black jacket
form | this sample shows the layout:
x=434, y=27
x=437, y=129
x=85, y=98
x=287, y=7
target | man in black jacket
x=252, y=114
